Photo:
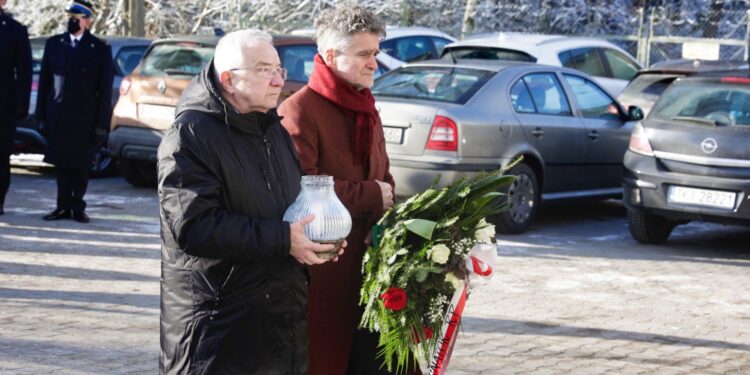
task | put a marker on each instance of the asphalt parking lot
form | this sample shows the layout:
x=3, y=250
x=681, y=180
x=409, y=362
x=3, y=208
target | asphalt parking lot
x=574, y=295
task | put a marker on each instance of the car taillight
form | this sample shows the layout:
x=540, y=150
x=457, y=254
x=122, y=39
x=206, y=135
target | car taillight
x=443, y=135
x=639, y=141
x=125, y=86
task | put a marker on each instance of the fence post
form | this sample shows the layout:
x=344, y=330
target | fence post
x=467, y=26
x=649, y=36
x=641, y=44
x=747, y=36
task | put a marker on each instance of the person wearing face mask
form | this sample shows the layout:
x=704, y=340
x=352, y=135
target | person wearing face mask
x=74, y=105
x=15, y=87
x=233, y=282
x=337, y=131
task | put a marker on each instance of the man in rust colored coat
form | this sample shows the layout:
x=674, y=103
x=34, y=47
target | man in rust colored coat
x=337, y=131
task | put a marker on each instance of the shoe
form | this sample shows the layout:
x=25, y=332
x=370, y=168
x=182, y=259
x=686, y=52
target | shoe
x=81, y=217
x=58, y=214
x=2, y=211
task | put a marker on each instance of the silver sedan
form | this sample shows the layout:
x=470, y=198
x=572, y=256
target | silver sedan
x=455, y=120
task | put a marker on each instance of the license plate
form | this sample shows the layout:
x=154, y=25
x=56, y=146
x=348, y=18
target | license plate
x=701, y=197
x=156, y=112
x=393, y=135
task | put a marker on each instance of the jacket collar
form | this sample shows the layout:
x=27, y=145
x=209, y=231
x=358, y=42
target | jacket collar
x=203, y=95
x=85, y=37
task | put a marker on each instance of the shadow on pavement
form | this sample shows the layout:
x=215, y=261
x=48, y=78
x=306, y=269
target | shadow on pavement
x=520, y=327
x=71, y=272
x=73, y=357
x=595, y=228
x=129, y=299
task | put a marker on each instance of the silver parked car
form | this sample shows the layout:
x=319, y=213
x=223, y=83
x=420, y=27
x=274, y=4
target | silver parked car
x=456, y=120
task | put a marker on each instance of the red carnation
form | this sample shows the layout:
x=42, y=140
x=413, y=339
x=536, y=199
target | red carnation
x=394, y=299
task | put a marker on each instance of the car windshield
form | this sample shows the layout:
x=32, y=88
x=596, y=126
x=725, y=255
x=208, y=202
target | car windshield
x=486, y=53
x=176, y=59
x=444, y=84
x=704, y=103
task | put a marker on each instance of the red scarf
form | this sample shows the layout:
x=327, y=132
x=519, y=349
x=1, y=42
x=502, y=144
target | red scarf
x=359, y=104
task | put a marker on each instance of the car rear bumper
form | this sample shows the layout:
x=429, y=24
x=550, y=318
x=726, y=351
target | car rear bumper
x=646, y=189
x=413, y=177
x=135, y=143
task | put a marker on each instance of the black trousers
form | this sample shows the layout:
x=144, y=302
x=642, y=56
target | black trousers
x=71, y=187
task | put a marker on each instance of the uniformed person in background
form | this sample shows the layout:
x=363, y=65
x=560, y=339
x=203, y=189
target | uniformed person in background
x=74, y=104
x=15, y=87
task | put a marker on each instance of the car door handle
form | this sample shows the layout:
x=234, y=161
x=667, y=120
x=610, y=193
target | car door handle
x=538, y=132
x=594, y=135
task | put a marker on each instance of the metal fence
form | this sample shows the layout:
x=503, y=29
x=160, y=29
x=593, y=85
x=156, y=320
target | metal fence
x=718, y=30
x=723, y=35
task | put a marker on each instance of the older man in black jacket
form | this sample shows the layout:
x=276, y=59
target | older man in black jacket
x=234, y=285
x=15, y=86
x=74, y=103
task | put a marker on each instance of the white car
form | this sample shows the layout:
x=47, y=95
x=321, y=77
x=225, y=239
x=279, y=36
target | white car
x=611, y=66
x=403, y=44
x=408, y=44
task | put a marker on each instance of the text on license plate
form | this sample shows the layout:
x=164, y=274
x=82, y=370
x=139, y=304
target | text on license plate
x=158, y=112
x=393, y=135
x=701, y=197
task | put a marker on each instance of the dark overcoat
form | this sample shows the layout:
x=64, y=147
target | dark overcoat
x=233, y=300
x=322, y=135
x=74, y=100
x=15, y=78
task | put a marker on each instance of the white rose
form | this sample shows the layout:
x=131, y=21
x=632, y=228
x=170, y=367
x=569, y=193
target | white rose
x=455, y=281
x=440, y=253
x=485, y=232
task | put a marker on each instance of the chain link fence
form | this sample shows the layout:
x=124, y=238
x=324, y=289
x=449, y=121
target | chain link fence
x=716, y=29
x=721, y=34
x=662, y=30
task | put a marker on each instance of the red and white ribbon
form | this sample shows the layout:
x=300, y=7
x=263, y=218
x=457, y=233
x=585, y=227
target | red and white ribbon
x=448, y=333
x=478, y=266
x=479, y=263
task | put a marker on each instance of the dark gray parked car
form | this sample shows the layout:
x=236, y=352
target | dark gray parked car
x=457, y=120
x=690, y=158
x=126, y=53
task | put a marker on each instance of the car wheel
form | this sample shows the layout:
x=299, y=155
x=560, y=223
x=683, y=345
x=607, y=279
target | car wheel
x=102, y=164
x=649, y=229
x=139, y=173
x=523, y=198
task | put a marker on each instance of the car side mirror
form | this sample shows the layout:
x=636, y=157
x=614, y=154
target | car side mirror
x=635, y=113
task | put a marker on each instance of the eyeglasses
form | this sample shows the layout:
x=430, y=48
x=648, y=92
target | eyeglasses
x=266, y=71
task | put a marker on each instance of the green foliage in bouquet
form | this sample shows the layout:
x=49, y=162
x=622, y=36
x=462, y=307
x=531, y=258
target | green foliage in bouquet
x=412, y=272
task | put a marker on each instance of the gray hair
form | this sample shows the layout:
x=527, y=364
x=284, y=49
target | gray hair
x=229, y=51
x=335, y=26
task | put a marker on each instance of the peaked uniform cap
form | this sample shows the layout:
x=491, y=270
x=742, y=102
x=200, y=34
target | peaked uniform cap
x=80, y=8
